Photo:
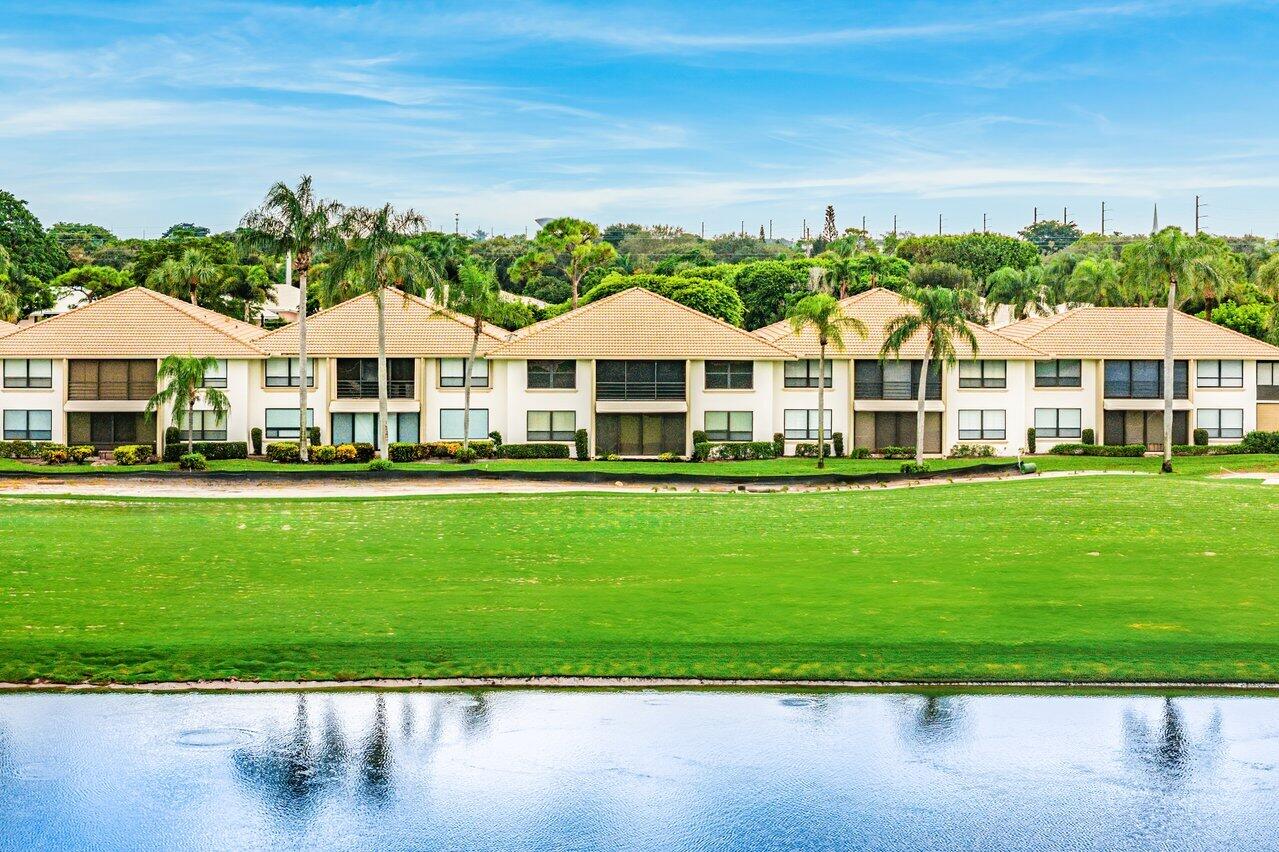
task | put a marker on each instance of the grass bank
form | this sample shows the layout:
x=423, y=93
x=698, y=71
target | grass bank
x=1091, y=578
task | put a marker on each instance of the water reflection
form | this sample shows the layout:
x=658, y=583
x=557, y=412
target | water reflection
x=931, y=720
x=1167, y=751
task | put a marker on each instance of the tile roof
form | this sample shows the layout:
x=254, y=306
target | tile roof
x=637, y=323
x=877, y=308
x=414, y=327
x=6, y=327
x=1134, y=333
x=135, y=323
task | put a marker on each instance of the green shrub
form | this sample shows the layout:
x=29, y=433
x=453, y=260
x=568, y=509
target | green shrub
x=859, y=453
x=735, y=451
x=466, y=455
x=582, y=445
x=914, y=468
x=364, y=452
x=838, y=439
x=700, y=437
x=1108, y=450
x=970, y=451
x=1202, y=450
x=1201, y=437
x=255, y=435
x=1030, y=440
x=193, y=461
x=779, y=444
x=62, y=454
x=283, y=452
x=1260, y=442
x=81, y=454
x=496, y=438
x=132, y=454
x=20, y=449
x=532, y=451
x=172, y=438
x=403, y=452
x=346, y=454
x=714, y=298
x=897, y=452
x=809, y=450
x=211, y=450
x=312, y=435
x=381, y=464
x=1088, y=436
x=324, y=454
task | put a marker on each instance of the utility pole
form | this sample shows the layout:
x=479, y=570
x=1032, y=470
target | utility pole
x=743, y=227
x=1103, y=218
x=457, y=221
x=703, y=229
x=803, y=233
x=939, y=224
x=770, y=229
x=863, y=223
x=983, y=223
x=1064, y=220
x=894, y=226
x=1197, y=215
x=1035, y=220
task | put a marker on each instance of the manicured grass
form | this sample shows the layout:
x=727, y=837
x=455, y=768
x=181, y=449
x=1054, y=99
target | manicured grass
x=1088, y=578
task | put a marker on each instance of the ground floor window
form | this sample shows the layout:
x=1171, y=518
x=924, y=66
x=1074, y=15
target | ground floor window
x=551, y=425
x=404, y=427
x=801, y=424
x=350, y=427
x=982, y=425
x=640, y=434
x=107, y=430
x=283, y=422
x=204, y=426
x=1221, y=422
x=1144, y=427
x=28, y=425
x=451, y=424
x=730, y=425
x=1058, y=422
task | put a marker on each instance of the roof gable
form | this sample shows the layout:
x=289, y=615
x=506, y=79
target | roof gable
x=877, y=308
x=414, y=328
x=135, y=323
x=633, y=324
x=1135, y=333
x=6, y=327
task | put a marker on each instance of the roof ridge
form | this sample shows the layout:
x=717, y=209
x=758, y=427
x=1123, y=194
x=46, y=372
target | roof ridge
x=446, y=311
x=1052, y=320
x=1008, y=339
x=726, y=324
x=197, y=315
x=1226, y=328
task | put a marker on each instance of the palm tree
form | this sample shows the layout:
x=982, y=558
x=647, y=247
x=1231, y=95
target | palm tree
x=294, y=223
x=185, y=275
x=8, y=293
x=1098, y=281
x=373, y=257
x=476, y=294
x=940, y=315
x=1267, y=281
x=182, y=385
x=843, y=266
x=1218, y=277
x=822, y=313
x=1020, y=289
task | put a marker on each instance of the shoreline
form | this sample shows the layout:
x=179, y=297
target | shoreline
x=572, y=682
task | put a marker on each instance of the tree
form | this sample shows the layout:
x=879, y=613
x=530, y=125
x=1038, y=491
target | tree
x=8, y=297
x=1253, y=319
x=572, y=246
x=938, y=314
x=92, y=282
x=710, y=297
x=249, y=285
x=944, y=275
x=184, y=229
x=1050, y=236
x=978, y=254
x=35, y=258
x=81, y=240
x=1159, y=264
x=1219, y=277
x=182, y=385
x=842, y=269
x=882, y=270
x=186, y=276
x=374, y=256
x=822, y=313
x=829, y=232
x=766, y=289
x=1098, y=281
x=1020, y=289
x=1266, y=280
x=294, y=223
x=476, y=294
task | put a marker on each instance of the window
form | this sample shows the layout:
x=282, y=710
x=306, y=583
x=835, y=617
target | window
x=545, y=375
x=357, y=378
x=283, y=422
x=205, y=426
x=985, y=425
x=355, y=428
x=983, y=374
x=215, y=376
x=730, y=375
x=801, y=424
x=1268, y=380
x=1219, y=374
x=803, y=374
x=28, y=373
x=732, y=425
x=286, y=373
x=451, y=375
x=1221, y=422
x=28, y=425
x=451, y=424
x=1058, y=423
x=1058, y=374
x=550, y=425
x=1144, y=379
x=404, y=427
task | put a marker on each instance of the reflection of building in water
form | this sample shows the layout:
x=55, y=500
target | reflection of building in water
x=1167, y=750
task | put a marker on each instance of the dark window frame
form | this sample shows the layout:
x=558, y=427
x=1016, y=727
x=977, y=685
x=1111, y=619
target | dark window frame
x=810, y=431
x=25, y=383
x=482, y=437
x=459, y=381
x=292, y=377
x=550, y=433
x=728, y=433
x=551, y=374
x=734, y=375
x=982, y=381
x=1220, y=432
x=1056, y=380
x=1218, y=378
x=203, y=433
x=277, y=432
x=809, y=379
x=983, y=433
x=1057, y=431
x=25, y=434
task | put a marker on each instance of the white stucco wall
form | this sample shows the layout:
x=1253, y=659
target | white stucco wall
x=520, y=399
x=759, y=400
x=837, y=400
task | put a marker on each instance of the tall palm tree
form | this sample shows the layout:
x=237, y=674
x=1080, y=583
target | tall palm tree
x=842, y=266
x=1158, y=265
x=181, y=380
x=1098, y=281
x=185, y=275
x=1219, y=276
x=821, y=313
x=294, y=223
x=938, y=314
x=1020, y=289
x=475, y=293
x=374, y=257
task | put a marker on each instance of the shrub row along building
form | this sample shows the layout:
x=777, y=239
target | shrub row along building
x=640, y=372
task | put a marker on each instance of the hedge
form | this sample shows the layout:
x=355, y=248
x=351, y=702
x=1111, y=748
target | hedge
x=62, y=454
x=582, y=445
x=1260, y=442
x=21, y=449
x=406, y=452
x=892, y=452
x=971, y=451
x=809, y=450
x=211, y=450
x=533, y=451
x=734, y=451
x=131, y=454
x=1110, y=450
x=281, y=452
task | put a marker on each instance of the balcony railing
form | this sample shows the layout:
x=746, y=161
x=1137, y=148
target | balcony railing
x=639, y=390
x=895, y=390
x=356, y=389
x=1144, y=390
x=110, y=390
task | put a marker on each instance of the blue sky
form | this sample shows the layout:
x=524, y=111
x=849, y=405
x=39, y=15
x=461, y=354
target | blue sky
x=135, y=115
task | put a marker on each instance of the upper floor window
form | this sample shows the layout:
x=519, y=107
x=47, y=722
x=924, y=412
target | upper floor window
x=1219, y=374
x=1062, y=373
x=983, y=374
x=640, y=380
x=730, y=375
x=1144, y=379
x=546, y=375
x=357, y=378
x=453, y=373
x=287, y=372
x=1268, y=380
x=28, y=373
x=803, y=374
x=215, y=376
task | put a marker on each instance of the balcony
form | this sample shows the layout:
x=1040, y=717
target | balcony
x=357, y=378
x=640, y=390
x=362, y=389
x=1145, y=389
x=640, y=380
x=111, y=380
x=870, y=389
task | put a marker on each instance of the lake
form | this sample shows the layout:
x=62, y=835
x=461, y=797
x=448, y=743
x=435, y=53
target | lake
x=686, y=770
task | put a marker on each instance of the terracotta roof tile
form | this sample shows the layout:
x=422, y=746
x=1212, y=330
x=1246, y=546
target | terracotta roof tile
x=1135, y=333
x=6, y=327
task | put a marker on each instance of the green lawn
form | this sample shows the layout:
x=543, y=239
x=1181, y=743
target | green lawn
x=1089, y=578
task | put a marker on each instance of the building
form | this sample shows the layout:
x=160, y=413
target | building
x=639, y=372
